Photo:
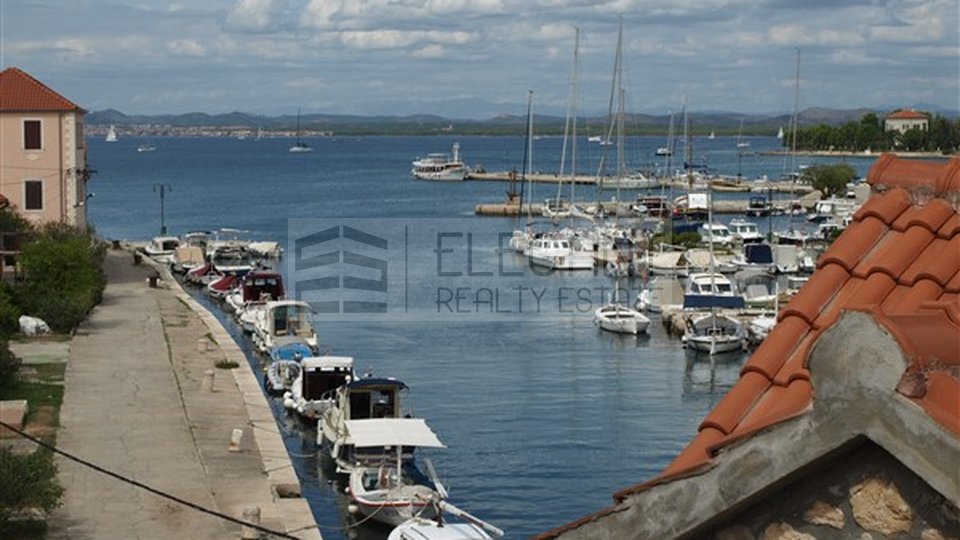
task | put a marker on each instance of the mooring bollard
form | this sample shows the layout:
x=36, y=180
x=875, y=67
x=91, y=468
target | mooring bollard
x=251, y=515
x=208, y=381
x=235, y=439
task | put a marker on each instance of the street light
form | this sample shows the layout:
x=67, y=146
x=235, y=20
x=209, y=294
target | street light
x=162, y=188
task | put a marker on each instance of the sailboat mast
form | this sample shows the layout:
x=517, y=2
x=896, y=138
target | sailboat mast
x=527, y=152
x=796, y=114
x=570, y=126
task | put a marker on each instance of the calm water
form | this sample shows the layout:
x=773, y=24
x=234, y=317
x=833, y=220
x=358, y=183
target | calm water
x=543, y=418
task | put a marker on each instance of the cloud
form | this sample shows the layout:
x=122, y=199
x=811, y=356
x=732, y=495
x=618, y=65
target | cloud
x=187, y=47
x=255, y=15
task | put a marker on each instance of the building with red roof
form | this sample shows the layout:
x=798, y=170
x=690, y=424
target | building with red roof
x=846, y=420
x=904, y=120
x=43, y=157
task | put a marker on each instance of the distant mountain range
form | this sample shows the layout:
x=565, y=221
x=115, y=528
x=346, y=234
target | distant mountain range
x=721, y=122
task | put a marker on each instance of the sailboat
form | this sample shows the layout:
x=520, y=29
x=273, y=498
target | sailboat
x=299, y=146
x=740, y=142
x=556, y=208
x=111, y=134
x=780, y=133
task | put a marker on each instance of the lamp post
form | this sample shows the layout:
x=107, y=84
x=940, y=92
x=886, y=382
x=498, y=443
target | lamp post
x=162, y=188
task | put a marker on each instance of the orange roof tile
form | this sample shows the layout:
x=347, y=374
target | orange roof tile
x=21, y=92
x=906, y=114
x=898, y=259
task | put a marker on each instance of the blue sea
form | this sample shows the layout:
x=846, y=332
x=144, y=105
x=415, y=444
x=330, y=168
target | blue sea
x=543, y=415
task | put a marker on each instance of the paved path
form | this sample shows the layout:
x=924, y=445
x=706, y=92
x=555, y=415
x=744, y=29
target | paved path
x=134, y=404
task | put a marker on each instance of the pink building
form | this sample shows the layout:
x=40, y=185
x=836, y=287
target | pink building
x=43, y=157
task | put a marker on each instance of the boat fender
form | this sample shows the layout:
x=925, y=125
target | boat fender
x=352, y=508
x=288, y=403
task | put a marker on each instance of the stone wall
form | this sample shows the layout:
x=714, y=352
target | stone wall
x=860, y=492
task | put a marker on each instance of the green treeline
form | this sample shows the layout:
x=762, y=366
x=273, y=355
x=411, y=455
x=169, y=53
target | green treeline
x=943, y=136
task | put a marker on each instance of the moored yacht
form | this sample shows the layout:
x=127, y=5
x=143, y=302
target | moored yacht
x=447, y=167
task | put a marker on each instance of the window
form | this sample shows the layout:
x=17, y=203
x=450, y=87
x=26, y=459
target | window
x=33, y=195
x=31, y=135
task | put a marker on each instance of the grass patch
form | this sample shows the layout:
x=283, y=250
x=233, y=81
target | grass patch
x=43, y=400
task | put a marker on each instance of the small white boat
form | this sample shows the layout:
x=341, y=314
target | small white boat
x=717, y=233
x=392, y=490
x=299, y=147
x=111, y=134
x=444, y=167
x=620, y=319
x=419, y=528
x=664, y=151
x=255, y=290
x=162, y=248
x=558, y=254
x=664, y=293
x=745, y=231
x=146, y=148
x=313, y=389
x=714, y=333
x=284, y=318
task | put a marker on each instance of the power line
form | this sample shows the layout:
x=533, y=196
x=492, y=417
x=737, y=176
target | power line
x=143, y=486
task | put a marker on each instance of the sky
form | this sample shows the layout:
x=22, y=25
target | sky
x=479, y=58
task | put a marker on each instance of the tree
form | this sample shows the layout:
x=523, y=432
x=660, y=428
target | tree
x=830, y=180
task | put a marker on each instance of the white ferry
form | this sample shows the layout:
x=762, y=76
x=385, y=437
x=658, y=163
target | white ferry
x=446, y=167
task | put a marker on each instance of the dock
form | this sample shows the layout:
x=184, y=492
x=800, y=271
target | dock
x=512, y=208
x=536, y=178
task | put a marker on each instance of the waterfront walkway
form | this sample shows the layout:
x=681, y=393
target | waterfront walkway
x=135, y=404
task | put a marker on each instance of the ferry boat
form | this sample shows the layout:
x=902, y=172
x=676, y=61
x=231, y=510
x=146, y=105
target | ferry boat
x=445, y=167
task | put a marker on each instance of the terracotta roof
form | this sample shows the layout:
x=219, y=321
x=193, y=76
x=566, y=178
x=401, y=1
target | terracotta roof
x=899, y=261
x=906, y=114
x=21, y=92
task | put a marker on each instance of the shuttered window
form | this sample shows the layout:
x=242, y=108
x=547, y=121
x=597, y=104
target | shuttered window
x=33, y=195
x=31, y=135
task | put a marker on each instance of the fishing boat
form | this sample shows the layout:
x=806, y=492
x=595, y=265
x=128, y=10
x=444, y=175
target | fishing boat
x=441, y=167
x=392, y=489
x=284, y=318
x=362, y=399
x=299, y=147
x=111, y=134
x=311, y=392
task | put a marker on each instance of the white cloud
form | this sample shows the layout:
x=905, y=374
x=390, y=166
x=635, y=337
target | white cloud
x=187, y=47
x=431, y=51
x=254, y=15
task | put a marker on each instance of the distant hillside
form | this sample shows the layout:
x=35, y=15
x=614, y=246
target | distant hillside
x=723, y=123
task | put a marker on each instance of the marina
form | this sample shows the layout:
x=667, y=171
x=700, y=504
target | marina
x=602, y=376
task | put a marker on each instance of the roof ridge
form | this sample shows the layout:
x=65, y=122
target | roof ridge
x=10, y=100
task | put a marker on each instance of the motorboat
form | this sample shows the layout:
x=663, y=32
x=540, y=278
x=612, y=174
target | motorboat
x=439, y=166
x=664, y=151
x=219, y=288
x=363, y=399
x=746, y=232
x=284, y=367
x=420, y=528
x=161, y=248
x=392, y=489
x=146, y=148
x=187, y=257
x=620, y=319
x=558, y=253
x=311, y=392
x=284, y=318
x=652, y=206
x=714, y=332
x=662, y=294
x=759, y=288
x=758, y=207
x=555, y=209
x=710, y=290
x=234, y=260
x=255, y=290
x=202, y=275
x=717, y=233
x=756, y=257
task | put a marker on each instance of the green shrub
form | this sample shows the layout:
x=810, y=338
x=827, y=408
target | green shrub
x=9, y=311
x=9, y=365
x=63, y=276
x=29, y=481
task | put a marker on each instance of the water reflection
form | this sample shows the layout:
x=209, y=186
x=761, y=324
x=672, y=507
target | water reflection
x=706, y=373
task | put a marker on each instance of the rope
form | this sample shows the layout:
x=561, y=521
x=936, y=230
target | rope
x=143, y=486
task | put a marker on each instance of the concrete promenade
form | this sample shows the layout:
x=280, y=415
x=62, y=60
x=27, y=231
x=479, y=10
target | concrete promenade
x=135, y=403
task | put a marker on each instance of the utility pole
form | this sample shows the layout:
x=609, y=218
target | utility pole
x=162, y=188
